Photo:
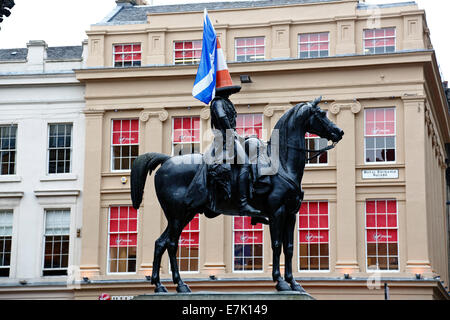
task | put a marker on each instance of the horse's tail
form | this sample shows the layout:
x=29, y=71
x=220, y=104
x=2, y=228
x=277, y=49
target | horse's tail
x=144, y=163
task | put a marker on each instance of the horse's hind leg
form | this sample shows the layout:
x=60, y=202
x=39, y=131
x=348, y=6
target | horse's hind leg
x=160, y=246
x=175, y=229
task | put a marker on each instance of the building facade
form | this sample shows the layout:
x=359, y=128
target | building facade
x=41, y=175
x=374, y=208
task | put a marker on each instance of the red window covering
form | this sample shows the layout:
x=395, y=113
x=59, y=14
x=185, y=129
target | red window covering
x=381, y=221
x=125, y=132
x=380, y=122
x=313, y=222
x=186, y=129
x=122, y=227
x=249, y=124
x=190, y=236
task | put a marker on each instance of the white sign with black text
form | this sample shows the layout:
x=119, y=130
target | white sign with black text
x=380, y=174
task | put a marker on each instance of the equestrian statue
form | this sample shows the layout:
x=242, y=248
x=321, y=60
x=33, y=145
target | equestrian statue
x=236, y=175
x=193, y=183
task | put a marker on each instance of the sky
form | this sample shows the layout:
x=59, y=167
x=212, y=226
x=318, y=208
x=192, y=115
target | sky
x=64, y=22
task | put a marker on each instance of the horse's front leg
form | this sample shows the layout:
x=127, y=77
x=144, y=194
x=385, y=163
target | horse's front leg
x=288, y=248
x=276, y=228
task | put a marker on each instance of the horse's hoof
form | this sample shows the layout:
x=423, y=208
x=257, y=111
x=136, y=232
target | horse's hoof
x=297, y=287
x=283, y=286
x=183, y=288
x=160, y=289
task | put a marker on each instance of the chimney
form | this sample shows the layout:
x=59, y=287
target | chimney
x=131, y=2
x=85, y=51
x=37, y=53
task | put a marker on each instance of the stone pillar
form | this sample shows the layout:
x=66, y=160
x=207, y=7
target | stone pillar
x=346, y=227
x=150, y=211
x=89, y=262
x=415, y=170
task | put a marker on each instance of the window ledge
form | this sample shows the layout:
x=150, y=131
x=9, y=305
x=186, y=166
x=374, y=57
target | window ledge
x=59, y=177
x=10, y=178
x=54, y=193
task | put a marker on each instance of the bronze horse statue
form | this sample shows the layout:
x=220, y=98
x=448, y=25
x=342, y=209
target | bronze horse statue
x=280, y=203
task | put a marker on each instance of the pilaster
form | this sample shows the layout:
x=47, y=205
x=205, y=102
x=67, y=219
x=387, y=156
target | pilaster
x=415, y=165
x=346, y=227
x=90, y=264
x=150, y=212
x=280, y=39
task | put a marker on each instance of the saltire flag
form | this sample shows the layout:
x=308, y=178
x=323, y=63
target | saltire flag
x=205, y=81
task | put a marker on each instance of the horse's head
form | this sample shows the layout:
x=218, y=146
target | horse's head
x=319, y=124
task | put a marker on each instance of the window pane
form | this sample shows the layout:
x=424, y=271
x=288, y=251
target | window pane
x=122, y=239
x=379, y=40
x=380, y=135
x=313, y=45
x=59, y=148
x=249, y=49
x=7, y=149
x=382, y=243
x=248, y=244
x=125, y=143
x=127, y=55
x=313, y=236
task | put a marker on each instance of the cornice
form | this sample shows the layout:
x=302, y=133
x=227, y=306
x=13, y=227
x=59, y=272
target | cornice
x=279, y=65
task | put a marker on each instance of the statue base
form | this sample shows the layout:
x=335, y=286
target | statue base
x=209, y=295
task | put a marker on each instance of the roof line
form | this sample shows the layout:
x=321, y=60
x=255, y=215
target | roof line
x=111, y=15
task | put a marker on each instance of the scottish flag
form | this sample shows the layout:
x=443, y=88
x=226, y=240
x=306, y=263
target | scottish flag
x=205, y=81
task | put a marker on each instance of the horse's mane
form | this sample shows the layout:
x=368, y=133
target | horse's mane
x=283, y=124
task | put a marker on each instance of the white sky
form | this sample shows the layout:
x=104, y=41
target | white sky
x=64, y=22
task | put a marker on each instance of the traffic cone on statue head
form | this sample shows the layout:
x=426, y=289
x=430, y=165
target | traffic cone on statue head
x=224, y=85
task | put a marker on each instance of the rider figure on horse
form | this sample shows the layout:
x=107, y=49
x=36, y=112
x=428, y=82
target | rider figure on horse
x=223, y=122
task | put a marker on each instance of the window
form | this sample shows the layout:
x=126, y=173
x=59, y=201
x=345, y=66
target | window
x=56, y=242
x=59, y=148
x=380, y=135
x=249, y=124
x=8, y=149
x=6, y=224
x=382, y=235
x=185, y=135
x=125, y=143
x=313, y=230
x=187, y=52
x=247, y=245
x=127, y=55
x=250, y=49
x=188, y=246
x=313, y=45
x=122, y=239
x=379, y=40
x=314, y=142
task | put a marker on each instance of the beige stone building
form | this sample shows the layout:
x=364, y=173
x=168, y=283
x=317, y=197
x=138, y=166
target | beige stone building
x=375, y=207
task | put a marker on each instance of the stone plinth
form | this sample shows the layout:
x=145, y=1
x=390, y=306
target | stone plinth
x=207, y=295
